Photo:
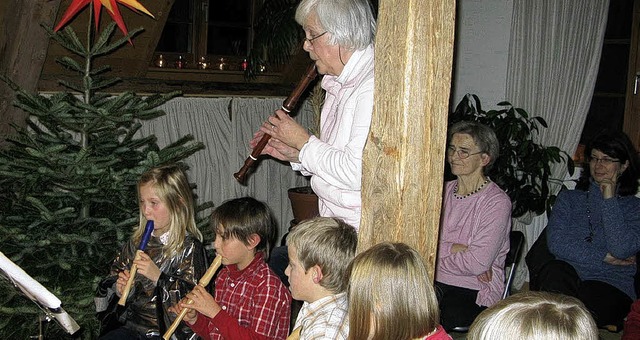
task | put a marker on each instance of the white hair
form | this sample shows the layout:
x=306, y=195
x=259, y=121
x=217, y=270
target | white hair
x=350, y=23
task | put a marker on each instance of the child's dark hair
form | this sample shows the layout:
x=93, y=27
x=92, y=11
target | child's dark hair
x=242, y=217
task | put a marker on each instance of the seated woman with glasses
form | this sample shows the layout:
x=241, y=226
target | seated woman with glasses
x=474, y=234
x=594, y=232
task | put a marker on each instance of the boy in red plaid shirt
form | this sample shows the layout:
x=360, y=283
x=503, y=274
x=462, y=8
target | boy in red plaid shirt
x=250, y=300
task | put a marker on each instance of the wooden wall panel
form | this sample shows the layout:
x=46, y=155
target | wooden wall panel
x=631, y=125
x=130, y=60
x=23, y=46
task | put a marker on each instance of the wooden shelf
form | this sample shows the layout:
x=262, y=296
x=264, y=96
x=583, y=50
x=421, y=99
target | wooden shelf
x=200, y=84
x=210, y=75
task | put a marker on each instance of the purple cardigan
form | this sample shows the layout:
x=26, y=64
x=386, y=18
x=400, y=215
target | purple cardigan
x=482, y=221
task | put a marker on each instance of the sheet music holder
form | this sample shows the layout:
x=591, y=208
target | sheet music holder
x=48, y=303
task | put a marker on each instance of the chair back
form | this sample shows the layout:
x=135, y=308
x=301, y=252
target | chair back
x=516, y=240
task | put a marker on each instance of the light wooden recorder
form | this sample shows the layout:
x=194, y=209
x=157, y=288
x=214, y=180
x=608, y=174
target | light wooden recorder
x=204, y=281
x=295, y=335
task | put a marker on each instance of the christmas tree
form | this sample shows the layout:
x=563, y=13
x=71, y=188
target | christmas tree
x=68, y=195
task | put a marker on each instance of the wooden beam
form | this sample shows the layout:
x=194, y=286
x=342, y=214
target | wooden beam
x=23, y=48
x=404, y=155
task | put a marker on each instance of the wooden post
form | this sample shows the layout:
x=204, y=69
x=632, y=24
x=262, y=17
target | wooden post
x=23, y=48
x=404, y=155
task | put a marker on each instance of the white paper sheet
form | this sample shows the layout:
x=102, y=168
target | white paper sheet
x=30, y=286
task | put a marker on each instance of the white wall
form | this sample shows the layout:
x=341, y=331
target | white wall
x=482, y=46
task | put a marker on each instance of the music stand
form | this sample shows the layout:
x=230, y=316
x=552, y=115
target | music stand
x=45, y=300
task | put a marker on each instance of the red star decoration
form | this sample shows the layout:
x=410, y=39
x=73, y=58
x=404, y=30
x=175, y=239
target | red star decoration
x=111, y=6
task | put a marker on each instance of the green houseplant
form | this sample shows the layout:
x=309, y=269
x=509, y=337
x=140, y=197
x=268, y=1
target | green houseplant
x=523, y=169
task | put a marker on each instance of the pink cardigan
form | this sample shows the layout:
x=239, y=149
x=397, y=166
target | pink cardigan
x=481, y=221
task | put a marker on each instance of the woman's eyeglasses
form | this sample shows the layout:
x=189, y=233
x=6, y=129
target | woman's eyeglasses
x=310, y=40
x=603, y=161
x=462, y=154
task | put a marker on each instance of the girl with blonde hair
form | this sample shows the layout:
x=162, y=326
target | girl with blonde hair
x=535, y=316
x=391, y=296
x=171, y=264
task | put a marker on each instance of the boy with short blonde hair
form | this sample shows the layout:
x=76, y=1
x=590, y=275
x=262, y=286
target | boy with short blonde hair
x=320, y=250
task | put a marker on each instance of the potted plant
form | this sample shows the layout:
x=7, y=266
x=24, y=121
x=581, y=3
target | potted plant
x=523, y=169
x=304, y=203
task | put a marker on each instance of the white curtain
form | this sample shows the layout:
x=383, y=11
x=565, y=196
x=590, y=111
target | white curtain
x=554, y=55
x=225, y=126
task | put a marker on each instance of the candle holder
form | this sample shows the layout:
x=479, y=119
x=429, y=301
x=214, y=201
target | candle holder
x=180, y=62
x=160, y=62
x=222, y=64
x=203, y=63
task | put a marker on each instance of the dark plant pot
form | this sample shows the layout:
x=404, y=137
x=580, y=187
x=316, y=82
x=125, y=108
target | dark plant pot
x=304, y=203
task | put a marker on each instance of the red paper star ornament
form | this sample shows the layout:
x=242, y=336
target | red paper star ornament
x=111, y=6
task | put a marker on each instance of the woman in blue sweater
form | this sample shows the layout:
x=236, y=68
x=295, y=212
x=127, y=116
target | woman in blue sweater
x=594, y=232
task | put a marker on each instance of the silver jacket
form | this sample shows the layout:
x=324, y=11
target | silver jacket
x=147, y=303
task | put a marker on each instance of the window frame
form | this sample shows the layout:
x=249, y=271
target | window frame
x=199, y=42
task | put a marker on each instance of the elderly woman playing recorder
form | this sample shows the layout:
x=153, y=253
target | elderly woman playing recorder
x=339, y=39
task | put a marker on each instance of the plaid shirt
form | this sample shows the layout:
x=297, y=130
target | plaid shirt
x=324, y=319
x=255, y=305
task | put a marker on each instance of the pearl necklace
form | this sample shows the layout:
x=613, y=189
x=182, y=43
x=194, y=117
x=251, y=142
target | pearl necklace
x=455, y=190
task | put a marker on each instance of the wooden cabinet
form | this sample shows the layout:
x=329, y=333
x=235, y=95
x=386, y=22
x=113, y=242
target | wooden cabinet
x=632, y=104
x=611, y=98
